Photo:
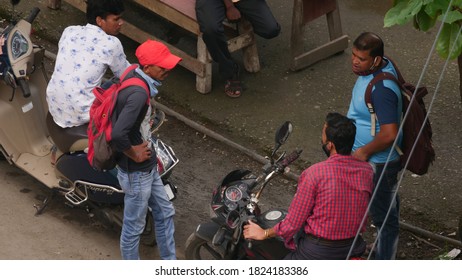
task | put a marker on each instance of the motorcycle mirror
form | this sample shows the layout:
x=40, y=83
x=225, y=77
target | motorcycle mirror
x=232, y=219
x=281, y=135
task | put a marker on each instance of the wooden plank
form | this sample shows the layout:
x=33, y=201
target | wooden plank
x=140, y=36
x=305, y=11
x=186, y=7
x=204, y=82
x=250, y=56
x=336, y=46
x=296, y=38
x=171, y=14
x=157, y=7
x=241, y=41
x=312, y=9
x=183, y=14
x=334, y=24
x=188, y=61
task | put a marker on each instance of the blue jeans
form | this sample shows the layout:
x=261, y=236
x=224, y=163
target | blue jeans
x=143, y=190
x=387, y=243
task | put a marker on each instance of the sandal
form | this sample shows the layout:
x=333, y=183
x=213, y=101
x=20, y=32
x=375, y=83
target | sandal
x=233, y=88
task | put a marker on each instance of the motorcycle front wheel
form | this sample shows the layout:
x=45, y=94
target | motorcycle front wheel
x=200, y=249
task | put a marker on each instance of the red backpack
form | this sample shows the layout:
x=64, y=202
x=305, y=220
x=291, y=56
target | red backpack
x=100, y=154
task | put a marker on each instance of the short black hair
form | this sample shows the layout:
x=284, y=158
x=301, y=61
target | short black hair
x=103, y=8
x=371, y=42
x=341, y=131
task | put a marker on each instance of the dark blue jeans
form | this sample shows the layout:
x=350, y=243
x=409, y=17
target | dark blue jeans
x=387, y=242
x=210, y=16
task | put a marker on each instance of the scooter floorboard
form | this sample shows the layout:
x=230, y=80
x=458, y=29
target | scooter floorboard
x=38, y=167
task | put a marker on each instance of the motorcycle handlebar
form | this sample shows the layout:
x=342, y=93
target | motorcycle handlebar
x=33, y=14
x=290, y=158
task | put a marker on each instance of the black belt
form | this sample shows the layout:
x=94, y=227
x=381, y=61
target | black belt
x=328, y=242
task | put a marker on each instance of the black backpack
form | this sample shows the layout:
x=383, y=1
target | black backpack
x=423, y=154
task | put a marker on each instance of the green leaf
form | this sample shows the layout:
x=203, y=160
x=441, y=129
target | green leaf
x=393, y=16
x=447, y=39
x=423, y=21
x=413, y=7
x=451, y=17
x=436, y=7
x=402, y=13
x=457, y=3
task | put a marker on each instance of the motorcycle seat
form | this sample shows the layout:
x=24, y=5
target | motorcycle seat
x=71, y=139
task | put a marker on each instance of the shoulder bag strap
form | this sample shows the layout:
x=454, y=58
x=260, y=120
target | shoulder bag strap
x=368, y=95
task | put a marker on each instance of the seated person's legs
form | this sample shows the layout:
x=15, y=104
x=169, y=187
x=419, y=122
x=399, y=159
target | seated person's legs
x=260, y=16
x=210, y=16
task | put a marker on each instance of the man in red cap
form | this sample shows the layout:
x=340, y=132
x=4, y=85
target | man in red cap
x=137, y=163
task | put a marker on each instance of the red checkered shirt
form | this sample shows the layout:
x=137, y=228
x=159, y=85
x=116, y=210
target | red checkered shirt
x=331, y=200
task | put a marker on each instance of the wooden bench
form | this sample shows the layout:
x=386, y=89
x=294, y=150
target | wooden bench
x=183, y=14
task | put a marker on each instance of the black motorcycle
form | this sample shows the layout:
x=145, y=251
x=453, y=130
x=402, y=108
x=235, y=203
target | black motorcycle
x=234, y=202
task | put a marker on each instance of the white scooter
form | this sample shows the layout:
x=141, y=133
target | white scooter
x=30, y=140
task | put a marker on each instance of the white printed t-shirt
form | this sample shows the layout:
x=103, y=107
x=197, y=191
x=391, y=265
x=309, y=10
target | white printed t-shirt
x=84, y=55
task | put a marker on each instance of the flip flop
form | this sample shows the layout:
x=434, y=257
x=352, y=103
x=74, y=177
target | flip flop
x=233, y=88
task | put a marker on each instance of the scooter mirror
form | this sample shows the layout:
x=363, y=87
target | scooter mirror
x=281, y=135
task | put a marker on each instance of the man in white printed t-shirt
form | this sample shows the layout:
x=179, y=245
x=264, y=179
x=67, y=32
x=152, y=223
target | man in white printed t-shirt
x=84, y=55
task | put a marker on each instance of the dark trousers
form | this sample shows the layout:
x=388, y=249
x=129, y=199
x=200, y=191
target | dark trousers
x=312, y=248
x=386, y=197
x=210, y=16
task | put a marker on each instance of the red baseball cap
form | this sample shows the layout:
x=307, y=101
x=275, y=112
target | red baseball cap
x=155, y=53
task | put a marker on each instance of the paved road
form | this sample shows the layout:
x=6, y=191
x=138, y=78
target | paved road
x=68, y=233
x=277, y=94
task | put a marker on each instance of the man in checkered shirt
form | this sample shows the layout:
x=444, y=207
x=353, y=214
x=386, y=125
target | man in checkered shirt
x=330, y=203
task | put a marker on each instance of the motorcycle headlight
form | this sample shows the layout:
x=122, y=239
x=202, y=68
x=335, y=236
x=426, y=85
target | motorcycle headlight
x=19, y=45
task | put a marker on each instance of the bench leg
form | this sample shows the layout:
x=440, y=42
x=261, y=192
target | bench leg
x=334, y=24
x=296, y=42
x=338, y=42
x=204, y=83
x=250, y=52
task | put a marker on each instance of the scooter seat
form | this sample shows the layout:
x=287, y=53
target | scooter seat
x=71, y=139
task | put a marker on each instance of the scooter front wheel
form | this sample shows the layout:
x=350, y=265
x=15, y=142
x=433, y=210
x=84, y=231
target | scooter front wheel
x=200, y=249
